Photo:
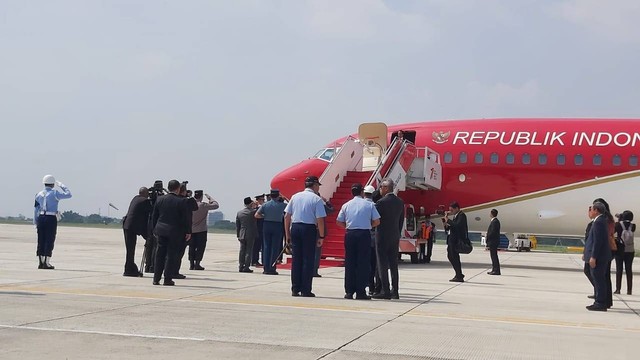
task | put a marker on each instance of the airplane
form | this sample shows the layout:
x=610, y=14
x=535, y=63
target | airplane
x=541, y=174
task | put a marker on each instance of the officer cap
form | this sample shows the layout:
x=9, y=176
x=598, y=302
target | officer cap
x=198, y=193
x=312, y=180
x=274, y=193
x=258, y=197
x=247, y=200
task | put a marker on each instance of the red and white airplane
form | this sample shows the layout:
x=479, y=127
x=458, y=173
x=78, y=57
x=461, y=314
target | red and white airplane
x=541, y=174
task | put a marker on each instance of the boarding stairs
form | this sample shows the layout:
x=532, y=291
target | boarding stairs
x=410, y=168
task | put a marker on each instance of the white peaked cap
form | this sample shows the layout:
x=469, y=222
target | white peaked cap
x=48, y=179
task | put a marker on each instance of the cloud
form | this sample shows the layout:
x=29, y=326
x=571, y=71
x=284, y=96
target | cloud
x=499, y=99
x=616, y=20
x=365, y=19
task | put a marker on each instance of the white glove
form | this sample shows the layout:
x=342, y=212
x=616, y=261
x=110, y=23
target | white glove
x=208, y=197
x=61, y=185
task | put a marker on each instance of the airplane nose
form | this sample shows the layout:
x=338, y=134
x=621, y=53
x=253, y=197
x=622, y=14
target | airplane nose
x=291, y=180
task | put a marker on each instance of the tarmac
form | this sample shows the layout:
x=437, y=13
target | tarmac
x=86, y=309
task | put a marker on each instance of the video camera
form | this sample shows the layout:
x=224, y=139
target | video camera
x=156, y=190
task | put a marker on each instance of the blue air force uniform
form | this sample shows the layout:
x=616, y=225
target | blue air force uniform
x=45, y=218
x=272, y=213
x=358, y=215
x=304, y=208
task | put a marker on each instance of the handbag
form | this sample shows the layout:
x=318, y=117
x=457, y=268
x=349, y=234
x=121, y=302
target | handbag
x=464, y=246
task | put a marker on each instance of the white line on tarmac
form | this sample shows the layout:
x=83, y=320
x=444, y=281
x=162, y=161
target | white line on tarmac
x=101, y=333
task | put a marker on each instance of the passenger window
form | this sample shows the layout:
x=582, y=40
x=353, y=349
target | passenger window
x=633, y=160
x=479, y=158
x=526, y=159
x=495, y=158
x=597, y=160
x=560, y=159
x=463, y=157
x=448, y=157
x=578, y=160
x=542, y=159
x=617, y=160
x=511, y=158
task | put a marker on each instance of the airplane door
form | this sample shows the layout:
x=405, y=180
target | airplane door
x=374, y=138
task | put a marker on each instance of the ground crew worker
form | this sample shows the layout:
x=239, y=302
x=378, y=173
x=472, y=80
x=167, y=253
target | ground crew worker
x=304, y=230
x=45, y=218
x=358, y=216
x=271, y=213
x=199, y=229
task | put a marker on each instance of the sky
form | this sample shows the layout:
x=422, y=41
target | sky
x=109, y=96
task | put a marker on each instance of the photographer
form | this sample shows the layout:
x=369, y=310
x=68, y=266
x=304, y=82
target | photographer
x=135, y=224
x=191, y=206
x=199, y=229
x=171, y=222
x=458, y=230
x=149, y=256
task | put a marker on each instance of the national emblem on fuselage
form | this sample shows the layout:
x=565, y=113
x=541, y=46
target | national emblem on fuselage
x=441, y=137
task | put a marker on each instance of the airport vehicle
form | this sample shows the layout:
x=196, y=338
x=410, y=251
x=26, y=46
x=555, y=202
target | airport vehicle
x=541, y=174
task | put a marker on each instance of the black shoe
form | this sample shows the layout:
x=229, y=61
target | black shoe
x=41, y=266
x=130, y=274
x=168, y=283
x=348, y=296
x=295, y=293
x=270, y=272
x=198, y=267
x=628, y=292
x=395, y=295
x=317, y=275
x=493, y=273
x=382, y=296
x=455, y=279
x=246, y=270
x=591, y=296
x=363, y=297
x=309, y=294
x=156, y=282
x=179, y=276
x=617, y=292
x=595, y=307
x=48, y=267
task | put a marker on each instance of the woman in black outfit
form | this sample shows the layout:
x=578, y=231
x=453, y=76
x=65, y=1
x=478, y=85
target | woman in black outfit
x=625, y=256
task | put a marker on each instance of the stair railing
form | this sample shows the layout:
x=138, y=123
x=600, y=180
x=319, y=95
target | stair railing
x=347, y=158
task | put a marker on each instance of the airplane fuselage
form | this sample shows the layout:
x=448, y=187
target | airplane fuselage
x=541, y=174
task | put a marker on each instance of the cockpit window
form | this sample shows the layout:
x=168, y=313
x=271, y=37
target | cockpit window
x=325, y=154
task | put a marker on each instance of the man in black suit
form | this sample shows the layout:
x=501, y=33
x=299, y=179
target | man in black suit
x=391, y=210
x=171, y=223
x=458, y=232
x=135, y=224
x=493, y=241
x=598, y=253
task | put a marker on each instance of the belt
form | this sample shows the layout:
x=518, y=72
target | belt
x=305, y=224
x=367, y=230
x=47, y=212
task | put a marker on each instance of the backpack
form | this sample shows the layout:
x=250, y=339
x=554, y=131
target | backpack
x=626, y=237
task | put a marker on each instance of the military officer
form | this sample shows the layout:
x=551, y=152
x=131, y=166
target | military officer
x=304, y=230
x=45, y=218
x=358, y=216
